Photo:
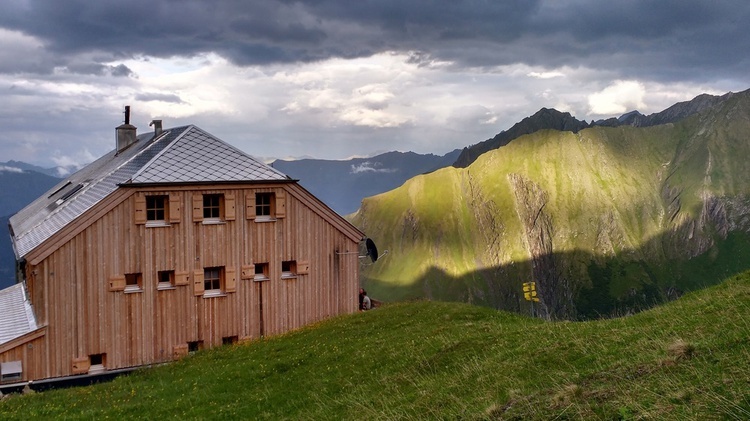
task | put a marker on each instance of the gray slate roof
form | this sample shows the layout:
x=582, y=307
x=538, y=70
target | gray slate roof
x=180, y=155
x=199, y=157
x=16, y=318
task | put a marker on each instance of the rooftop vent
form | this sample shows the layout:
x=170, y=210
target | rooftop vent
x=126, y=133
x=157, y=127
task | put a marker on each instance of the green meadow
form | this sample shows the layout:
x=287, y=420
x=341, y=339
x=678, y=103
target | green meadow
x=689, y=359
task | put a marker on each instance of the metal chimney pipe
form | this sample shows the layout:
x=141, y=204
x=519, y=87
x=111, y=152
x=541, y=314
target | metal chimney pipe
x=127, y=114
x=157, y=127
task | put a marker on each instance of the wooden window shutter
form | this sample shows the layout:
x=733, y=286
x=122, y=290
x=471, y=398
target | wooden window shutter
x=249, y=205
x=198, y=287
x=140, y=209
x=303, y=267
x=280, y=204
x=230, y=281
x=181, y=278
x=248, y=272
x=117, y=283
x=197, y=207
x=229, y=208
x=179, y=351
x=175, y=208
x=81, y=365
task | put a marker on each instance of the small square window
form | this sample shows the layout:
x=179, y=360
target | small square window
x=288, y=269
x=195, y=346
x=212, y=280
x=11, y=371
x=229, y=340
x=212, y=206
x=166, y=279
x=261, y=271
x=133, y=282
x=98, y=362
x=156, y=208
x=264, y=205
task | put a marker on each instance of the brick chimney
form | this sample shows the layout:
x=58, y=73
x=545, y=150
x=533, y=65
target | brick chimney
x=126, y=133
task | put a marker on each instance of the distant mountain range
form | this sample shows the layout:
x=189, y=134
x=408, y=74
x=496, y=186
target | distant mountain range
x=20, y=184
x=59, y=171
x=605, y=219
x=343, y=184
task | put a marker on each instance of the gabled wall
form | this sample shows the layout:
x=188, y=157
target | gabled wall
x=77, y=278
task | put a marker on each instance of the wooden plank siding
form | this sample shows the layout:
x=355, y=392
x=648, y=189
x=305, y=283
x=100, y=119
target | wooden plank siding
x=70, y=285
x=29, y=350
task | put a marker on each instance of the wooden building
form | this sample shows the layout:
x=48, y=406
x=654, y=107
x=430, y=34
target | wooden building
x=173, y=242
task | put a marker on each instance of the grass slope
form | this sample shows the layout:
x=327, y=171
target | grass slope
x=689, y=359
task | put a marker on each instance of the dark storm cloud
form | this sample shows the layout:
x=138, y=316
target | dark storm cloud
x=150, y=96
x=664, y=40
x=97, y=69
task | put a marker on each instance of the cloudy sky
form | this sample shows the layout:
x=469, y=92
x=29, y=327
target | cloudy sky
x=337, y=78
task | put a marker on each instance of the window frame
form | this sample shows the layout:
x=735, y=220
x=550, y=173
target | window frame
x=11, y=371
x=169, y=275
x=265, y=206
x=213, y=281
x=152, y=207
x=194, y=346
x=100, y=360
x=261, y=272
x=133, y=282
x=291, y=269
x=211, y=209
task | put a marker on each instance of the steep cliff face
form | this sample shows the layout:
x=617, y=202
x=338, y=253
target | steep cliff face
x=606, y=220
x=553, y=289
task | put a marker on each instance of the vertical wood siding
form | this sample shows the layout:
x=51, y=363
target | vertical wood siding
x=71, y=294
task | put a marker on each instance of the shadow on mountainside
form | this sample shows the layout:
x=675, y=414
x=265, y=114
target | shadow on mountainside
x=596, y=286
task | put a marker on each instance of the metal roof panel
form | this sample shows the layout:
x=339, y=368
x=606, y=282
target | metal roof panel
x=17, y=317
x=184, y=154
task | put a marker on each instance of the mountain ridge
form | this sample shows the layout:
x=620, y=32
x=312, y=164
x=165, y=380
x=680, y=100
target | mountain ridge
x=606, y=211
x=549, y=118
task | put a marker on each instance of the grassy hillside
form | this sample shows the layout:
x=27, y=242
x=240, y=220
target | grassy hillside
x=343, y=184
x=689, y=359
x=606, y=220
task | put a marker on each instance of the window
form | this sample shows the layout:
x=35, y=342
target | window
x=11, y=371
x=165, y=279
x=194, y=346
x=212, y=206
x=156, y=208
x=289, y=269
x=133, y=282
x=68, y=194
x=261, y=272
x=264, y=205
x=97, y=362
x=229, y=340
x=212, y=280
